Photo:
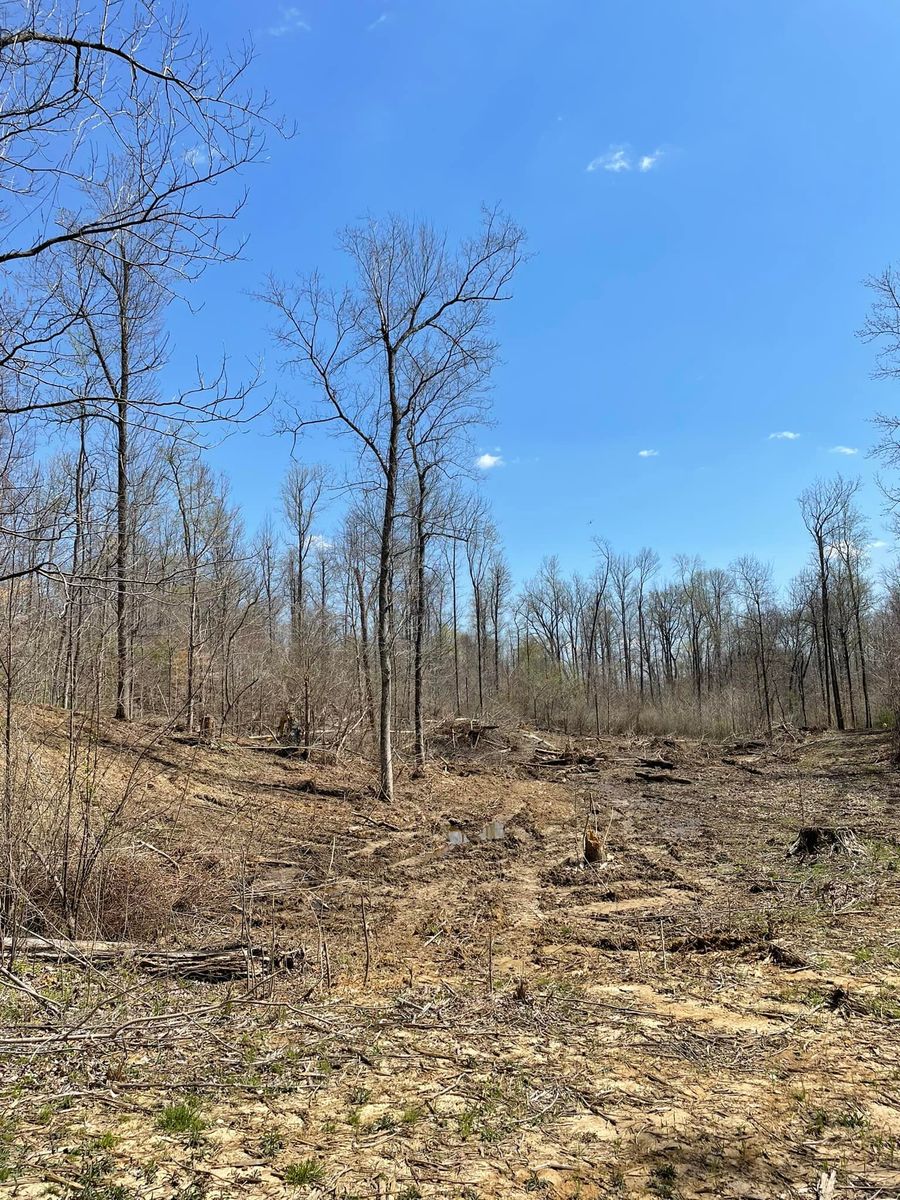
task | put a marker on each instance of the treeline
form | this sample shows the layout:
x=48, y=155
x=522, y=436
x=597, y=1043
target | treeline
x=246, y=633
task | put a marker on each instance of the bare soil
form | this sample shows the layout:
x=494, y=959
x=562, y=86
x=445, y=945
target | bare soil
x=697, y=1013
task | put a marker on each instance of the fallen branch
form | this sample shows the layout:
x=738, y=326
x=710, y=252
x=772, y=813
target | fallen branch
x=652, y=777
x=826, y=1186
x=22, y=985
x=733, y=762
x=212, y=964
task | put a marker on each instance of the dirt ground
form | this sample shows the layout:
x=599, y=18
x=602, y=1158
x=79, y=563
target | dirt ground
x=464, y=1007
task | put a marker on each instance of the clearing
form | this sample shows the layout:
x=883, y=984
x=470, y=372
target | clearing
x=448, y=1001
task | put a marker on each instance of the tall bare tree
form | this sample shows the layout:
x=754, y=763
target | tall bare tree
x=823, y=506
x=84, y=85
x=417, y=312
x=754, y=581
x=301, y=497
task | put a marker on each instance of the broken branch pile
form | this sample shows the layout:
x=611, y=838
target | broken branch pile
x=212, y=964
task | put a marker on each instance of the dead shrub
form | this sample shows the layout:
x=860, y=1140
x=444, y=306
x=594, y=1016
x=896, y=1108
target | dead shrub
x=131, y=897
x=72, y=860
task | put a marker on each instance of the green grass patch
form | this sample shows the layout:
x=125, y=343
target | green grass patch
x=303, y=1173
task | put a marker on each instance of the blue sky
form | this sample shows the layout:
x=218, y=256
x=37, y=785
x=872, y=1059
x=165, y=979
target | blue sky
x=691, y=308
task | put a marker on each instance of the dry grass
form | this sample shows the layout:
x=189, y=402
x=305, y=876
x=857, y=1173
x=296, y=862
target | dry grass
x=698, y=1015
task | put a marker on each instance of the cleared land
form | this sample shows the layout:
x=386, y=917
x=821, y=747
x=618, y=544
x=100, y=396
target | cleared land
x=697, y=1013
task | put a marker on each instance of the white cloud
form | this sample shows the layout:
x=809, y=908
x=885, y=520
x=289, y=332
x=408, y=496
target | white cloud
x=785, y=436
x=648, y=454
x=486, y=462
x=847, y=550
x=291, y=22
x=616, y=159
x=196, y=156
x=317, y=542
x=844, y=450
x=620, y=158
x=379, y=21
x=842, y=550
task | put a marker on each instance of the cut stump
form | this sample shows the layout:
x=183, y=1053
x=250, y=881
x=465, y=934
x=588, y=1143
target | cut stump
x=813, y=840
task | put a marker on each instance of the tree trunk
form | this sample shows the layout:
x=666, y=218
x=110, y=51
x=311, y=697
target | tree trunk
x=123, y=683
x=765, y=672
x=385, y=597
x=419, y=629
x=455, y=636
x=826, y=633
x=364, y=650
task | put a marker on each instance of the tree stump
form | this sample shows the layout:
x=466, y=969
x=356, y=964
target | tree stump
x=593, y=847
x=813, y=840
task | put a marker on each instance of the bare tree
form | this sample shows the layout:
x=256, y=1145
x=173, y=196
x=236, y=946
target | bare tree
x=646, y=565
x=197, y=507
x=823, y=506
x=622, y=569
x=416, y=313
x=754, y=580
x=882, y=325
x=84, y=85
x=301, y=498
x=445, y=411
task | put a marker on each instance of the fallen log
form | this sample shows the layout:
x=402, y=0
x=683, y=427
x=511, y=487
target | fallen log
x=209, y=964
x=745, y=746
x=783, y=956
x=564, y=758
x=707, y=943
x=325, y=756
x=733, y=762
x=654, y=777
x=309, y=787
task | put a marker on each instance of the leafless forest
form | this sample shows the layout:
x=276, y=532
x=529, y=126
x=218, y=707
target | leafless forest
x=336, y=860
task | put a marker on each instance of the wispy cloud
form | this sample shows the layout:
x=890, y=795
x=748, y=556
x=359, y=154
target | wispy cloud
x=648, y=454
x=291, y=22
x=620, y=158
x=786, y=435
x=616, y=159
x=844, y=450
x=648, y=161
x=486, y=462
x=379, y=21
x=844, y=550
x=847, y=550
x=196, y=156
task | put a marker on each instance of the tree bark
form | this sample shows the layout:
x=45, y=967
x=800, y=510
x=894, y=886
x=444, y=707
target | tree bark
x=385, y=593
x=419, y=630
x=826, y=634
x=123, y=683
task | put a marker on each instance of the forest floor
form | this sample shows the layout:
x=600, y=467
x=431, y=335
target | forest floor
x=697, y=1014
